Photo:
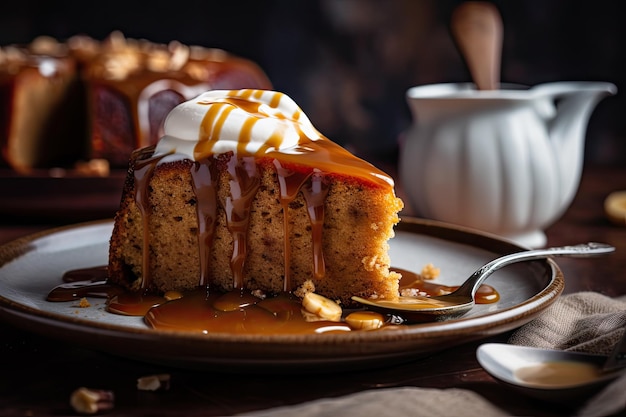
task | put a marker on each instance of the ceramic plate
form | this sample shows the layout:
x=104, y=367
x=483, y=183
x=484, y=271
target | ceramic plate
x=30, y=267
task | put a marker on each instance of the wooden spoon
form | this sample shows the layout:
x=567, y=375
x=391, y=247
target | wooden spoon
x=477, y=29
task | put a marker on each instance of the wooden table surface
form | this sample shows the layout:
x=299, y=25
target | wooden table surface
x=38, y=374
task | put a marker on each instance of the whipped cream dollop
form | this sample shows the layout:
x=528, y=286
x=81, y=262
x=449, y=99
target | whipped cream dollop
x=246, y=122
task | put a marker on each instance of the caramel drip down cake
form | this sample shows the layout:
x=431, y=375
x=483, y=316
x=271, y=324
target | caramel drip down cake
x=242, y=192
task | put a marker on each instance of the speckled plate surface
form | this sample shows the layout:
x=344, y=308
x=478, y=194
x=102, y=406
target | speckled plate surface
x=30, y=267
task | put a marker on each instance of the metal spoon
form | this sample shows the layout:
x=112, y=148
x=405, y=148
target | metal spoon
x=460, y=301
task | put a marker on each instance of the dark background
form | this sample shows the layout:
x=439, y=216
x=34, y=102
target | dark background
x=348, y=63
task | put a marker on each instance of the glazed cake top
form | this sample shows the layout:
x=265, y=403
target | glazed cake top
x=257, y=123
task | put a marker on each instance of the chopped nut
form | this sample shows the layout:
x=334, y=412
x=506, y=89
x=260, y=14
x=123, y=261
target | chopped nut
x=46, y=45
x=117, y=40
x=320, y=306
x=158, y=61
x=84, y=303
x=120, y=65
x=91, y=401
x=180, y=55
x=154, y=382
x=83, y=46
x=12, y=56
x=365, y=320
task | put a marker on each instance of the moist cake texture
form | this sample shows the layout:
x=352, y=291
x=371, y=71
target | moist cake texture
x=243, y=192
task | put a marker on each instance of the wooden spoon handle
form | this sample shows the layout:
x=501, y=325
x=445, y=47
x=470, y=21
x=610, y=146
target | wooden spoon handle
x=477, y=29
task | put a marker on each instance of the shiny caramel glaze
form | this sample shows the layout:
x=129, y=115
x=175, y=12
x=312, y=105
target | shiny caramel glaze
x=238, y=311
x=302, y=170
x=486, y=294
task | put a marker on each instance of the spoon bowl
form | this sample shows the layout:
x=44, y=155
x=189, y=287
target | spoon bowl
x=522, y=368
x=460, y=301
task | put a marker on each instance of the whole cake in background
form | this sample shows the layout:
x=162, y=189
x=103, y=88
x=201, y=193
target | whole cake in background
x=243, y=192
x=83, y=99
x=43, y=120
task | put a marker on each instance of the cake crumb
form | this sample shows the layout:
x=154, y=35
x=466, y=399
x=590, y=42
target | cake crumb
x=430, y=272
x=413, y=292
x=370, y=263
x=306, y=287
x=84, y=303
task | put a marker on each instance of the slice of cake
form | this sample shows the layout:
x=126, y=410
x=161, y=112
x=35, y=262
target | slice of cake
x=243, y=192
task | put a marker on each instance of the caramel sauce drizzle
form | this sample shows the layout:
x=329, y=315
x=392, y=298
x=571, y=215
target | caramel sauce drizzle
x=290, y=183
x=142, y=173
x=238, y=313
x=204, y=176
x=244, y=183
x=216, y=116
x=315, y=192
x=235, y=312
x=486, y=294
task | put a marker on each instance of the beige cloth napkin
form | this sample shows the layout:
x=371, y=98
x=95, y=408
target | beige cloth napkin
x=587, y=321
x=396, y=402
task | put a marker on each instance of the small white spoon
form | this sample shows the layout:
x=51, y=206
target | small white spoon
x=553, y=375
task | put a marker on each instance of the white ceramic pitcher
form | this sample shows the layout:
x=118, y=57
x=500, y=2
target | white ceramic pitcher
x=504, y=161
